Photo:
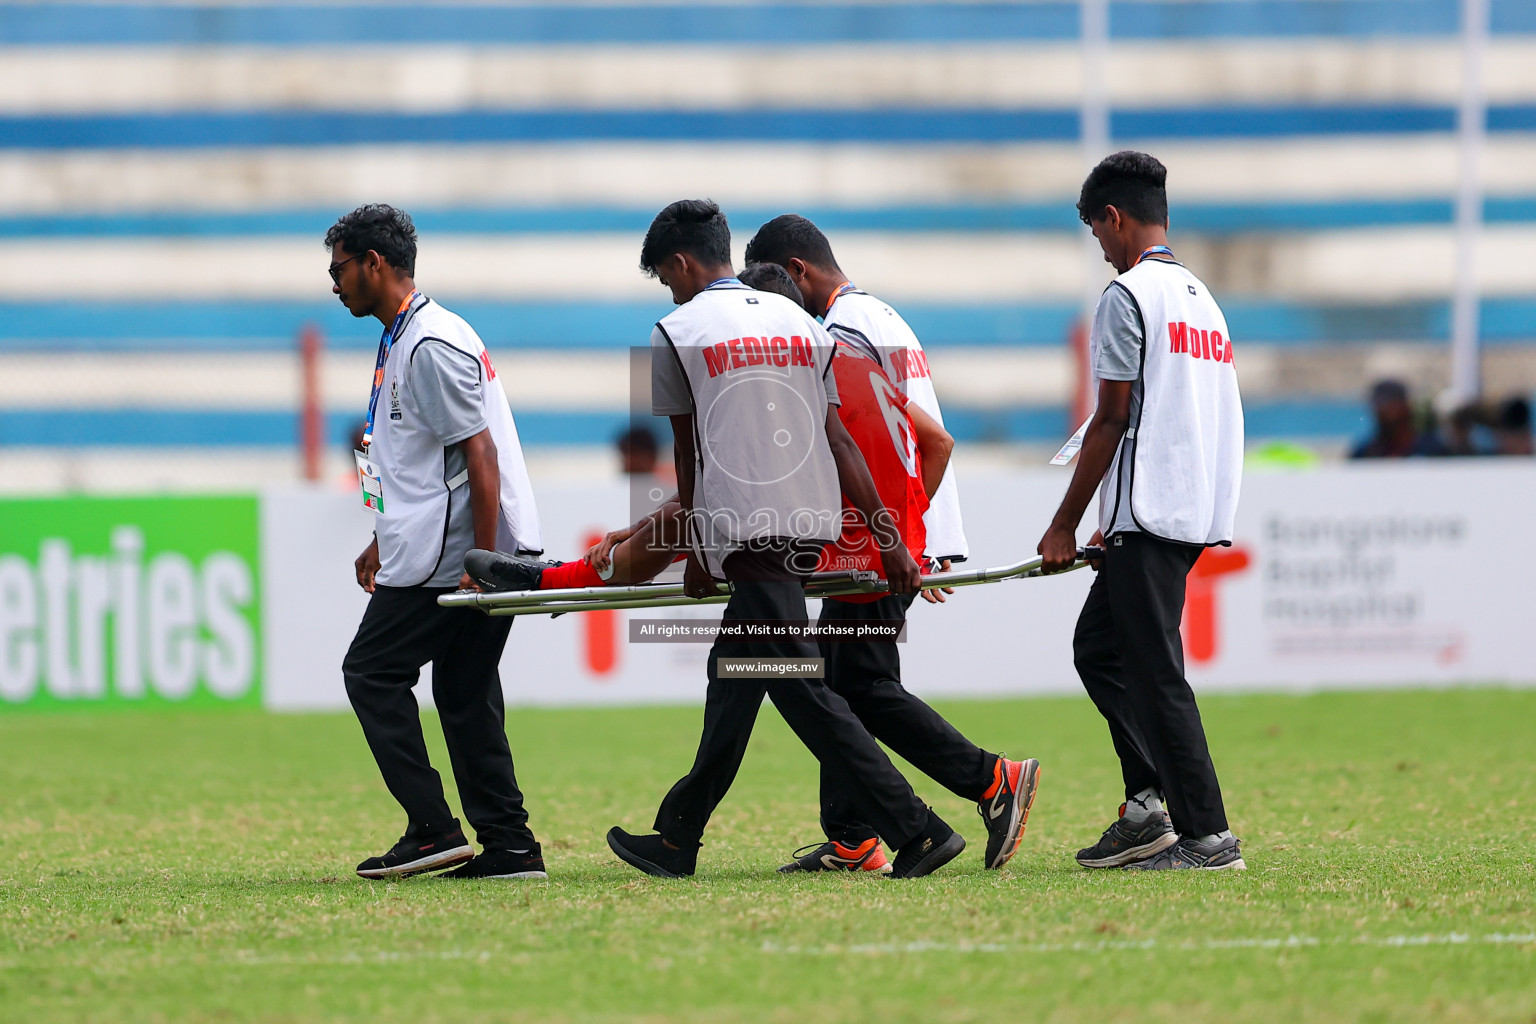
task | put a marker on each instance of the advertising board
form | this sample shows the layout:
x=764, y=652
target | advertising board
x=111, y=602
x=1400, y=574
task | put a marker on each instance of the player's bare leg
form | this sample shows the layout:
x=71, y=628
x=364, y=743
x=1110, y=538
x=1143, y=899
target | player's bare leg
x=635, y=554
x=645, y=553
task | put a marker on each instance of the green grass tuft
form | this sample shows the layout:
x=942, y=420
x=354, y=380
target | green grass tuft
x=198, y=867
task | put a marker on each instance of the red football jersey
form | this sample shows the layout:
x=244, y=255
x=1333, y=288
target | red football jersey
x=875, y=413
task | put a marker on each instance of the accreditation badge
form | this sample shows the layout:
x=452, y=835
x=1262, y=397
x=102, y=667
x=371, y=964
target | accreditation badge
x=1074, y=443
x=373, y=487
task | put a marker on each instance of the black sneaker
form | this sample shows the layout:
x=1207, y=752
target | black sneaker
x=1124, y=842
x=414, y=854
x=503, y=864
x=1006, y=806
x=931, y=849
x=835, y=856
x=1225, y=854
x=497, y=571
x=651, y=855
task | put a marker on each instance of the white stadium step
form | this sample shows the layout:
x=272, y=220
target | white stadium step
x=1376, y=264
x=629, y=174
x=37, y=80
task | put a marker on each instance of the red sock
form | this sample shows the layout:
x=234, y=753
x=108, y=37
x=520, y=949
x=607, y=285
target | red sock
x=569, y=575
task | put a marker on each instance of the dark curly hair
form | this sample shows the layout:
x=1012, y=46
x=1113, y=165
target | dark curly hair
x=384, y=229
x=791, y=237
x=1133, y=183
x=770, y=277
x=694, y=226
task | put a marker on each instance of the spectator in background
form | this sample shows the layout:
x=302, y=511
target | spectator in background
x=1514, y=427
x=637, y=451
x=1465, y=432
x=650, y=478
x=1397, y=436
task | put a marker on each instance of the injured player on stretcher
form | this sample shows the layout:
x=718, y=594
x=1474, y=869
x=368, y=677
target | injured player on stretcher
x=907, y=452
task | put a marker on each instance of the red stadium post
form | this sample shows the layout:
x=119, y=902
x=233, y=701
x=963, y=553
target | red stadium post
x=1082, y=389
x=312, y=416
x=600, y=631
x=1202, y=624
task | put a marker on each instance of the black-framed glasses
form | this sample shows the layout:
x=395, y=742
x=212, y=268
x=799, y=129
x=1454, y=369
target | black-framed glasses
x=335, y=268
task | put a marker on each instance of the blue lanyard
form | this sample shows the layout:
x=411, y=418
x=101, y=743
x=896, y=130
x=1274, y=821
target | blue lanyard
x=722, y=280
x=386, y=342
x=1156, y=250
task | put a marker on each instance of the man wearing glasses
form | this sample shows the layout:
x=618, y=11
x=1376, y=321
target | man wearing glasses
x=442, y=470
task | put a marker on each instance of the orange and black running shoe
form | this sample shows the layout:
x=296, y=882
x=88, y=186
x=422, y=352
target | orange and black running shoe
x=833, y=856
x=1004, y=807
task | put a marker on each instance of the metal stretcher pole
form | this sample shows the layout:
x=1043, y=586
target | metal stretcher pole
x=650, y=591
x=671, y=595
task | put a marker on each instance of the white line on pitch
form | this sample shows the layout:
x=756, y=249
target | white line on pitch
x=1288, y=942
x=247, y=958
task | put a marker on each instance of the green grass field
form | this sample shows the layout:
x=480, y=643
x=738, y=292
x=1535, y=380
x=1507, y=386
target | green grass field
x=199, y=867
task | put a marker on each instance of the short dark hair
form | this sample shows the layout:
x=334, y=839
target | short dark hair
x=791, y=237
x=1388, y=390
x=637, y=438
x=770, y=277
x=384, y=229
x=693, y=226
x=1134, y=183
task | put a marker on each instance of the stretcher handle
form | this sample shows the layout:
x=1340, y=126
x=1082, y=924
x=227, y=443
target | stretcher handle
x=667, y=595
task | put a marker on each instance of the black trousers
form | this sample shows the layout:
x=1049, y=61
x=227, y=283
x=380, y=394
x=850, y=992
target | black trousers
x=1131, y=660
x=819, y=717
x=402, y=630
x=868, y=676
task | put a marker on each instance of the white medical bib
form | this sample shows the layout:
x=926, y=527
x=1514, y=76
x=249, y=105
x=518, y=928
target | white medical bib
x=1185, y=448
x=411, y=464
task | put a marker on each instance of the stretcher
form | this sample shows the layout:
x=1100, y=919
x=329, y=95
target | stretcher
x=668, y=595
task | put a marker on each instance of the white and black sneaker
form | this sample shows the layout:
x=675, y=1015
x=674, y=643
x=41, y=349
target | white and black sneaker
x=1225, y=854
x=1126, y=842
x=507, y=864
x=414, y=854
